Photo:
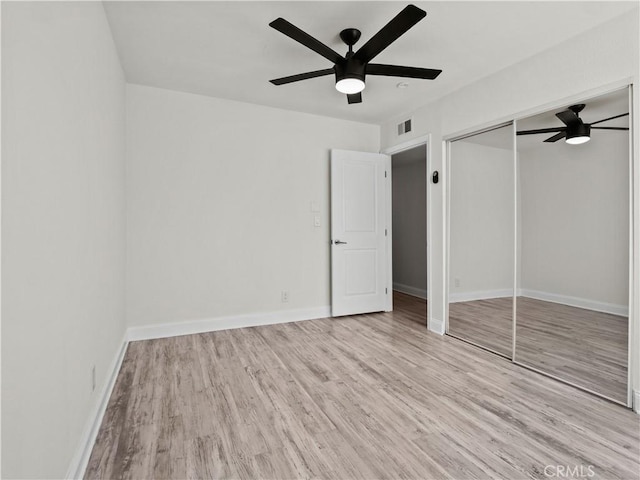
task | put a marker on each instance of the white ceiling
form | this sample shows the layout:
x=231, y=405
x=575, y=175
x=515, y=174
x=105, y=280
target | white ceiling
x=227, y=49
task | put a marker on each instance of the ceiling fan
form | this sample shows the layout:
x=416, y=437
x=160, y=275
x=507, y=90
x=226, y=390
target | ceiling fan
x=575, y=130
x=350, y=71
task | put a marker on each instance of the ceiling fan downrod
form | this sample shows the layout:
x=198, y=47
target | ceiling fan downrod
x=350, y=36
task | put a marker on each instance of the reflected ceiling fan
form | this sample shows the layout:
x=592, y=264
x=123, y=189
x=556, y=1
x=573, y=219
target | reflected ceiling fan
x=575, y=130
x=350, y=71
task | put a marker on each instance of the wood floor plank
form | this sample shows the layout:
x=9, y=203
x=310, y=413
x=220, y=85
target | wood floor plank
x=361, y=397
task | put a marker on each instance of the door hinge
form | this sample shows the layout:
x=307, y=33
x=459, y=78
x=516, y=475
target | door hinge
x=385, y=174
x=385, y=232
x=386, y=291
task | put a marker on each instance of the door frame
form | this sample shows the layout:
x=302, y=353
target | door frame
x=401, y=147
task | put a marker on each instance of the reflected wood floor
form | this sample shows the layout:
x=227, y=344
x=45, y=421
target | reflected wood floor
x=485, y=322
x=361, y=397
x=581, y=346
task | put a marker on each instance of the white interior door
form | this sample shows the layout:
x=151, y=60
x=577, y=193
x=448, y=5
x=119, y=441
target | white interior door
x=358, y=232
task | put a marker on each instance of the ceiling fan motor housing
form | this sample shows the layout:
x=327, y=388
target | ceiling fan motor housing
x=350, y=68
x=579, y=130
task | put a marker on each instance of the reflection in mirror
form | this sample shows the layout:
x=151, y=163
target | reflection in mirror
x=481, y=239
x=409, y=230
x=574, y=249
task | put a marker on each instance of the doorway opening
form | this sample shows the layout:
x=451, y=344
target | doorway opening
x=409, y=231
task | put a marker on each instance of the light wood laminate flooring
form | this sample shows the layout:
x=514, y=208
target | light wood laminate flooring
x=581, y=346
x=412, y=308
x=360, y=397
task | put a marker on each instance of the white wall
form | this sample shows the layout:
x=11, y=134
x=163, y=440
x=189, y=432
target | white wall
x=606, y=54
x=219, y=218
x=62, y=227
x=575, y=218
x=481, y=225
x=409, y=215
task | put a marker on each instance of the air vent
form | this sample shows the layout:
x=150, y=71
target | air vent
x=404, y=127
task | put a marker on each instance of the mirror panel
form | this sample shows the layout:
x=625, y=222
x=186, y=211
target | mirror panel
x=573, y=249
x=481, y=239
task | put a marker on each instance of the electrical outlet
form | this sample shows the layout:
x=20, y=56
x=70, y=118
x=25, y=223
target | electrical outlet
x=93, y=378
x=457, y=282
x=285, y=296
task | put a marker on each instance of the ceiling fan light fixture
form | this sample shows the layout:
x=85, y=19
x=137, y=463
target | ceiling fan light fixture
x=350, y=85
x=578, y=140
x=578, y=134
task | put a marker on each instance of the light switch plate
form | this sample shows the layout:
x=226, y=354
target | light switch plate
x=316, y=221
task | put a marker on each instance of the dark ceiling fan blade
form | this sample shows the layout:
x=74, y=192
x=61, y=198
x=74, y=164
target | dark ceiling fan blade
x=398, y=71
x=610, y=118
x=388, y=34
x=355, y=98
x=568, y=117
x=290, y=30
x=557, y=137
x=302, y=76
x=541, y=130
x=610, y=128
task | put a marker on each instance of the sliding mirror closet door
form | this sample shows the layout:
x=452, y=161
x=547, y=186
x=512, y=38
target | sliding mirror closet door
x=573, y=222
x=481, y=239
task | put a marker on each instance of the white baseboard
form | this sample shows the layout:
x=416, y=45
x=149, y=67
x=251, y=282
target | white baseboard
x=80, y=460
x=621, y=310
x=409, y=290
x=613, y=309
x=636, y=401
x=189, y=327
x=479, y=295
x=436, y=326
